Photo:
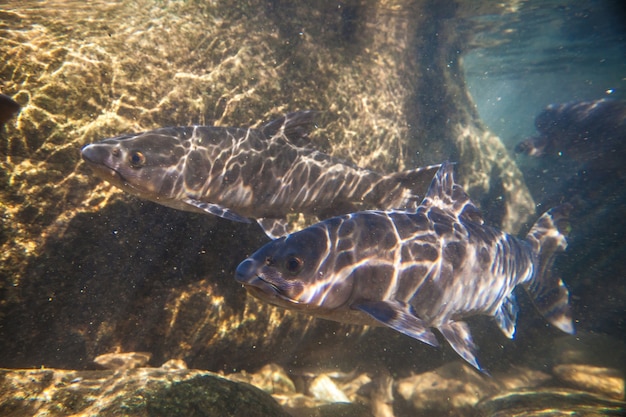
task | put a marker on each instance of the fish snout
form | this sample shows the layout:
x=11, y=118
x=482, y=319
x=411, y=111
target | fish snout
x=246, y=271
x=95, y=153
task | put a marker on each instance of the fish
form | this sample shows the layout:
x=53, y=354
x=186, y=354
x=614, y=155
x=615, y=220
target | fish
x=8, y=108
x=246, y=174
x=416, y=271
x=592, y=133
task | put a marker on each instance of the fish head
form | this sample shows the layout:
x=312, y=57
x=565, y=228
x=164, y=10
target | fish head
x=534, y=146
x=296, y=272
x=144, y=164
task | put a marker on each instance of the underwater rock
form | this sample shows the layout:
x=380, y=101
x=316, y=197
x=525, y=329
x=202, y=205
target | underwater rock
x=606, y=381
x=128, y=360
x=313, y=394
x=271, y=378
x=451, y=387
x=549, y=402
x=174, y=364
x=135, y=392
x=334, y=410
x=455, y=388
x=324, y=389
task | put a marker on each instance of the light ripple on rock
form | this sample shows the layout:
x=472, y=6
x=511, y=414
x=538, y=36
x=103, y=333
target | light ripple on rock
x=605, y=381
x=324, y=389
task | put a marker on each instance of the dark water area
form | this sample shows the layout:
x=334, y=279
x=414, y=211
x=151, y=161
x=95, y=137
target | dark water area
x=551, y=54
x=114, y=305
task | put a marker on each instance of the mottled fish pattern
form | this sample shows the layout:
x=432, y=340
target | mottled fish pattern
x=415, y=271
x=241, y=174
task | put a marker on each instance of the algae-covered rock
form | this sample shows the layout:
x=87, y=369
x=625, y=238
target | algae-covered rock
x=135, y=392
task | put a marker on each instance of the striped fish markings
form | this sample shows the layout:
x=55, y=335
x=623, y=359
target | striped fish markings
x=415, y=271
x=241, y=174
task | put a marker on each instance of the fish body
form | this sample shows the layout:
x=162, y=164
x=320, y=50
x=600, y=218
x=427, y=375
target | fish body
x=589, y=132
x=241, y=174
x=415, y=271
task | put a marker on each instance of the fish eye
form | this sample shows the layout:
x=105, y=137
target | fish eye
x=294, y=264
x=137, y=159
x=269, y=261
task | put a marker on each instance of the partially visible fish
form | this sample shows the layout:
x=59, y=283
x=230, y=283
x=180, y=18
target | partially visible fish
x=414, y=271
x=238, y=173
x=590, y=132
x=8, y=108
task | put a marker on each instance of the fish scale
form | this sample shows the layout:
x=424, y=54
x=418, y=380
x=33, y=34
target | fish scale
x=417, y=270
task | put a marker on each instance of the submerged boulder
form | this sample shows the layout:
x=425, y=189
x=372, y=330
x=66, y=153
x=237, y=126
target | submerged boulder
x=134, y=392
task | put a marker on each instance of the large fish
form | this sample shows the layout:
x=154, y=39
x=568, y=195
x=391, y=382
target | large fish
x=592, y=133
x=237, y=173
x=415, y=271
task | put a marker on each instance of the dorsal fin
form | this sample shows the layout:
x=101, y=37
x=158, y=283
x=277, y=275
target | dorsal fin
x=448, y=195
x=294, y=126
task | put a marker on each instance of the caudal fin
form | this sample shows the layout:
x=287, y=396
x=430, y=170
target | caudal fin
x=548, y=292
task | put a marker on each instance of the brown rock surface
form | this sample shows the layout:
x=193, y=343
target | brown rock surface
x=136, y=392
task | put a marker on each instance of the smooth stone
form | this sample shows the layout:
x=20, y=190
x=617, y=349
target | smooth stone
x=551, y=402
x=456, y=386
x=324, y=389
x=127, y=360
x=605, y=381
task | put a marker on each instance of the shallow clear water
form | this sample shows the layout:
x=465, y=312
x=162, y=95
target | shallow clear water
x=552, y=52
x=87, y=270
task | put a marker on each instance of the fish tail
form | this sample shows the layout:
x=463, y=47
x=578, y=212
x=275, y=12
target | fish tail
x=548, y=292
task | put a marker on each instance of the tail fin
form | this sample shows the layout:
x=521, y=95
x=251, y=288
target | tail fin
x=548, y=292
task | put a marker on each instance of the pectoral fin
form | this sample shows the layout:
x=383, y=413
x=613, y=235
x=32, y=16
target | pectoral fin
x=457, y=333
x=216, y=210
x=506, y=316
x=399, y=316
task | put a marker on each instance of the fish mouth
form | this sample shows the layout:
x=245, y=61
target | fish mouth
x=107, y=172
x=91, y=156
x=111, y=175
x=262, y=289
x=259, y=283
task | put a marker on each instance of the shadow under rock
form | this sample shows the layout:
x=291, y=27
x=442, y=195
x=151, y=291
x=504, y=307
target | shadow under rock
x=108, y=281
